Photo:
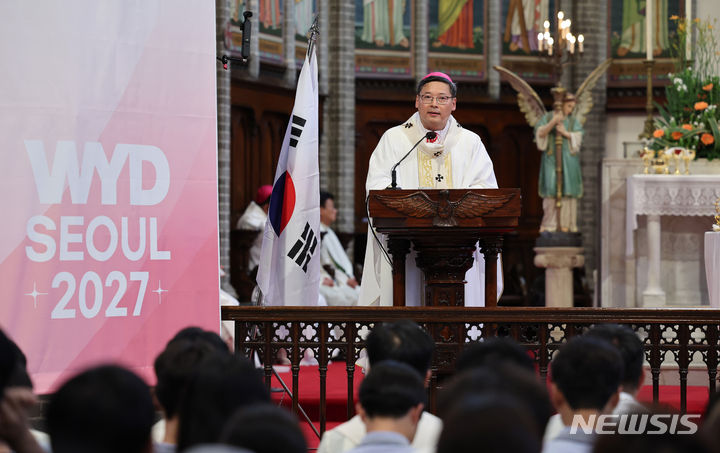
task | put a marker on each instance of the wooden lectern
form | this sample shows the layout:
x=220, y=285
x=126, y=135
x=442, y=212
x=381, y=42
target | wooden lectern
x=443, y=227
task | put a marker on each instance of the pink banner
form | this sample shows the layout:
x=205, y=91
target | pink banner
x=108, y=180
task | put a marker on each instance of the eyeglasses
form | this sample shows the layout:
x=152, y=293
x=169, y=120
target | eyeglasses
x=441, y=100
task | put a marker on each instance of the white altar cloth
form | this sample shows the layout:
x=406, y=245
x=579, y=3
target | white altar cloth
x=681, y=195
x=664, y=195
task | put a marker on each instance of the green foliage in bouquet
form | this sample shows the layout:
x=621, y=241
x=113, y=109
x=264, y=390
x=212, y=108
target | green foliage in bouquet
x=690, y=117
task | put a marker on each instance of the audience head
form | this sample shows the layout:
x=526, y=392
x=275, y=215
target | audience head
x=500, y=379
x=194, y=333
x=491, y=423
x=587, y=371
x=264, y=428
x=630, y=348
x=106, y=409
x=7, y=359
x=403, y=341
x=13, y=365
x=391, y=389
x=174, y=368
x=328, y=212
x=391, y=398
x=217, y=448
x=492, y=352
x=221, y=385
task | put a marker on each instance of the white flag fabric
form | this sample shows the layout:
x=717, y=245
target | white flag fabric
x=289, y=270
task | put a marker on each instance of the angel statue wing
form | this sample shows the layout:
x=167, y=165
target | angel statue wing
x=528, y=100
x=584, y=94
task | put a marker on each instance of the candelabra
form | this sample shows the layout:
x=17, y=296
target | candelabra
x=561, y=47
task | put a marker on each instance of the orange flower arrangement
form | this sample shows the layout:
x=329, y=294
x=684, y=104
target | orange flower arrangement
x=690, y=118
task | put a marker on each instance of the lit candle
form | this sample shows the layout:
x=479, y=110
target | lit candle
x=581, y=39
x=648, y=29
x=688, y=37
x=546, y=24
x=540, y=42
x=550, y=42
x=571, y=41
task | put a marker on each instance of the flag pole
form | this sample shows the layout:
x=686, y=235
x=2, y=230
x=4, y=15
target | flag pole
x=314, y=32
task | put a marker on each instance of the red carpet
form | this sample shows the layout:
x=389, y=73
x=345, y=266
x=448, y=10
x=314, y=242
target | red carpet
x=697, y=397
x=336, y=399
x=309, y=395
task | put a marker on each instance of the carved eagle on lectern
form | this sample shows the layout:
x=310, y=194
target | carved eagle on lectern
x=446, y=212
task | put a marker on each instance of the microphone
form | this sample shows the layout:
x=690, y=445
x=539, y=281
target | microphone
x=430, y=136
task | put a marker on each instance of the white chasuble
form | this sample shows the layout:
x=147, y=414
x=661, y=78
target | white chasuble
x=462, y=162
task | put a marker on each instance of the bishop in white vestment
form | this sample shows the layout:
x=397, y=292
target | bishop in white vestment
x=456, y=158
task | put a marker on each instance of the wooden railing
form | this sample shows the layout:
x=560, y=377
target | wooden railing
x=679, y=333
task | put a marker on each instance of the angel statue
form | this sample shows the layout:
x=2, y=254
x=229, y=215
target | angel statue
x=558, y=135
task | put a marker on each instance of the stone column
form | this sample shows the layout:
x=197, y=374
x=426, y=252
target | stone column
x=590, y=18
x=337, y=152
x=288, y=35
x=494, y=47
x=653, y=295
x=222, y=15
x=253, y=65
x=421, y=38
x=558, y=263
x=322, y=47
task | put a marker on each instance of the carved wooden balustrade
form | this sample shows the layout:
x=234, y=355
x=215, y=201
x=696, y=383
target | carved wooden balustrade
x=670, y=336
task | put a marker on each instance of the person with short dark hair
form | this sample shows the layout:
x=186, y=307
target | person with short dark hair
x=402, y=341
x=586, y=374
x=444, y=156
x=337, y=284
x=499, y=379
x=16, y=400
x=174, y=367
x=221, y=385
x=106, y=409
x=631, y=350
x=494, y=351
x=391, y=400
x=489, y=423
x=633, y=355
x=264, y=428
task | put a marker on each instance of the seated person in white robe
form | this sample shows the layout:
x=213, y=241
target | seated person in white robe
x=456, y=158
x=254, y=218
x=337, y=283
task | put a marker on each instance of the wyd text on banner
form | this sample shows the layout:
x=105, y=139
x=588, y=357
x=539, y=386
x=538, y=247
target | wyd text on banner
x=108, y=180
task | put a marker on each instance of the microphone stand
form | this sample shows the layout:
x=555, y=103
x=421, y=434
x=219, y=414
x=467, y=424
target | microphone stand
x=393, y=185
